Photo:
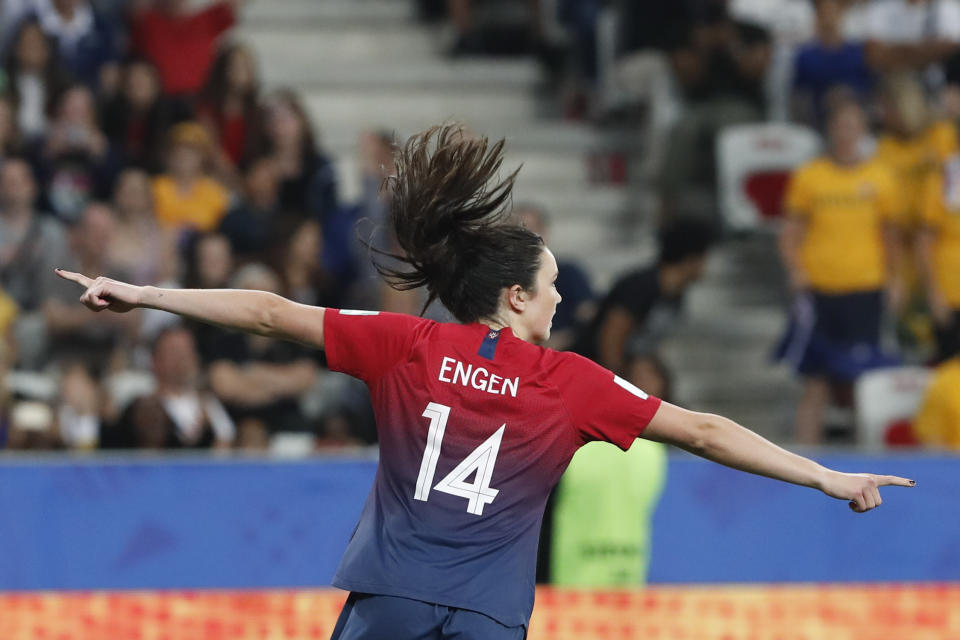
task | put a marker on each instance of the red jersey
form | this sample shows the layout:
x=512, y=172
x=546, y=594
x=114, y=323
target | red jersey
x=181, y=47
x=475, y=427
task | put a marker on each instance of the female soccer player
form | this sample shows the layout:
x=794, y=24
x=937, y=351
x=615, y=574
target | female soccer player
x=476, y=422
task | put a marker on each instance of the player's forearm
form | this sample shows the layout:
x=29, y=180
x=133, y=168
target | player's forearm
x=250, y=311
x=726, y=442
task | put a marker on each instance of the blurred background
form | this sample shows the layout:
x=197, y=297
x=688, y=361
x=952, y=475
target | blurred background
x=755, y=205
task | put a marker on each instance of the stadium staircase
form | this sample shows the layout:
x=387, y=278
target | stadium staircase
x=369, y=64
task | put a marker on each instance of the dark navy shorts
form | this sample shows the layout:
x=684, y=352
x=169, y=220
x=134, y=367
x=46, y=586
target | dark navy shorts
x=373, y=617
x=835, y=336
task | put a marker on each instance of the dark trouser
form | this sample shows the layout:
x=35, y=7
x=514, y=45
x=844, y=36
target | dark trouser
x=373, y=617
x=948, y=337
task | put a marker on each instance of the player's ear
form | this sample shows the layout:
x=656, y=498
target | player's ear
x=516, y=298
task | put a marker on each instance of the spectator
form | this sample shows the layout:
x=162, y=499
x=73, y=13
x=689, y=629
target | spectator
x=721, y=68
x=32, y=427
x=911, y=34
x=939, y=255
x=840, y=246
x=136, y=120
x=375, y=151
x=602, y=538
x=308, y=184
x=296, y=257
x=35, y=78
x=181, y=42
x=75, y=161
x=147, y=253
x=87, y=43
x=209, y=263
x=181, y=413
x=578, y=306
x=828, y=62
x=644, y=304
x=248, y=225
x=913, y=146
x=227, y=106
x=80, y=409
x=185, y=196
x=31, y=246
x=74, y=332
x=7, y=313
x=10, y=142
x=938, y=422
x=259, y=378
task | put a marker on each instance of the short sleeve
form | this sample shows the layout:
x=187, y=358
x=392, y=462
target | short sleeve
x=367, y=344
x=602, y=405
x=797, y=199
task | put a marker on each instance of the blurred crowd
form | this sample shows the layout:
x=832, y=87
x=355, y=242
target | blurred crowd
x=136, y=143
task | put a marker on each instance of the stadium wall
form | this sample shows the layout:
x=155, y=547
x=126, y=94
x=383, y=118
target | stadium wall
x=189, y=523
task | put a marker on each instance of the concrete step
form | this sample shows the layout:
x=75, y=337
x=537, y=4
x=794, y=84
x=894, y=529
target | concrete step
x=310, y=42
x=354, y=13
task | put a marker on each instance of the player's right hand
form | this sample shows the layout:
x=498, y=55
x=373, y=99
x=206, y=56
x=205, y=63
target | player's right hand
x=104, y=293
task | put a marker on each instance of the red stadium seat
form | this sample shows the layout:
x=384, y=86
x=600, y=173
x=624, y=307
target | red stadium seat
x=885, y=402
x=754, y=163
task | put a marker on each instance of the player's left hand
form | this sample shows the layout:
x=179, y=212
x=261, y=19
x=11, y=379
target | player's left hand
x=861, y=489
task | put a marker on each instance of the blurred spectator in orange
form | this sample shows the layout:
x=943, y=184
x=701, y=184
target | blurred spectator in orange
x=143, y=250
x=573, y=283
x=249, y=224
x=644, y=304
x=181, y=42
x=74, y=332
x=939, y=255
x=829, y=61
x=840, y=245
x=913, y=145
x=185, y=196
x=308, y=184
x=87, y=42
x=258, y=377
x=937, y=424
x=31, y=246
x=137, y=118
x=75, y=162
x=228, y=105
x=911, y=34
x=182, y=413
x=34, y=76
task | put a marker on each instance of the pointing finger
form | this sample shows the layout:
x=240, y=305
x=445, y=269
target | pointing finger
x=79, y=278
x=895, y=481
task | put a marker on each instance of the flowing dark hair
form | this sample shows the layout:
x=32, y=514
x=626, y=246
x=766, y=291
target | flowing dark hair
x=451, y=216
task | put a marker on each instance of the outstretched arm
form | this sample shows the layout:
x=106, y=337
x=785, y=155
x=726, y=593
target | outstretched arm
x=721, y=440
x=259, y=312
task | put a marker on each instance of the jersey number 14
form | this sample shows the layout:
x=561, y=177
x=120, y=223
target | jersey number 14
x=478, y=493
